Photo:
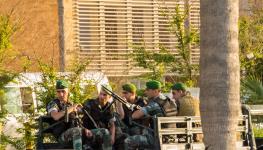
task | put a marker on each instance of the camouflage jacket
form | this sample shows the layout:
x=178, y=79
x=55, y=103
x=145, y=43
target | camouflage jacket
x=188, y=106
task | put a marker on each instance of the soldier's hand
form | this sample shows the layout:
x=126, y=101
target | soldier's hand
x=72, y=108
x=131, y=107
x=88, y=133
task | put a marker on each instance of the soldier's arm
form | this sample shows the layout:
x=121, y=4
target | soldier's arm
x=56, y=115
x=137, y=114
x=53, y=111
x=145, y=111
x=112, y=132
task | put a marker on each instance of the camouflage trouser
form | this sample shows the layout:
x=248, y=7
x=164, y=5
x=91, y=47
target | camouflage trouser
x=135, y=130
x=75, y=135
x=139, y=141
x=119, y=139
x=102, y=136
x=72, y=135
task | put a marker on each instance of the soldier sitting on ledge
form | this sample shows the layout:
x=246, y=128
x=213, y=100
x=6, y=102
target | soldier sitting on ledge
x=66, y=131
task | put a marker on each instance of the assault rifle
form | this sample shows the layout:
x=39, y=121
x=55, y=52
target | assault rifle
x=73, y=117
x=127, y=104
x=118, y=98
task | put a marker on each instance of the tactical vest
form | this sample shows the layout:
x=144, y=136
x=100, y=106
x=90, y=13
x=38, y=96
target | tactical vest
x=98, y=114
x=168, y=106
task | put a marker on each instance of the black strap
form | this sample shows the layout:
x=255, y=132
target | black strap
x=91, y=118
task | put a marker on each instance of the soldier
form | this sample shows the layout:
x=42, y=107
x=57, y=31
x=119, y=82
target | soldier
x=66, y=131
x=187, y=106
x=99, y=117
x=129, y=93
x=146, y=140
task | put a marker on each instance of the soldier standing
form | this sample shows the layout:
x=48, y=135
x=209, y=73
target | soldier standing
x=146, y=140
x=65, y=131
x=129, y=93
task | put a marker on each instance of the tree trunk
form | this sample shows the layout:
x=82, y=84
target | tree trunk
x=219, y=73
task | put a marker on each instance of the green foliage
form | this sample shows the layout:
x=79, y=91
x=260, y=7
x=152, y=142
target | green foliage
x=80, y=89
x=28, y=131
x=163, y=61
x=251, y=56
x=17, y=143
x=45, y=90
x=6, y=77
x=157, y=62
x=167, y=87
x=7, y=30
x=258, y=132
x=257, y=129
x=186, y=37
x=250, y=43
x=252, y=90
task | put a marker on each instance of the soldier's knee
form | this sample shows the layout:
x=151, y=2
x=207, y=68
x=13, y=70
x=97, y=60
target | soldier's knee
x=105, y=131
x=128, y=141
x=77, y=131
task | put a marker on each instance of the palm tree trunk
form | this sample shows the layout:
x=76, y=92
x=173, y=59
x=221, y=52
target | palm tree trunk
x=219, y=73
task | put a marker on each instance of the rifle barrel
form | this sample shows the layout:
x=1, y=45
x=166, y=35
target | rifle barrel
x=117, y=97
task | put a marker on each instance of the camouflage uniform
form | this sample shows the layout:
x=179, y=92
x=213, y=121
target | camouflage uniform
x=133, y=129
x=65, y=132
x=146, y=140
x=101, y=137
x=102, y=119
x=188, y=106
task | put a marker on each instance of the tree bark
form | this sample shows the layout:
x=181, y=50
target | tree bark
x=219, y=73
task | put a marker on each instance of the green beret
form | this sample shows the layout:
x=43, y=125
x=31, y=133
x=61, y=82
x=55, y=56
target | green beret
x=153, y=84
x=179, y=86
x=61, y=84
x=129, y=88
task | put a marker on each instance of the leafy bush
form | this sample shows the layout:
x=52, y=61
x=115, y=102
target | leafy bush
x=252, y=90
x=163, y=61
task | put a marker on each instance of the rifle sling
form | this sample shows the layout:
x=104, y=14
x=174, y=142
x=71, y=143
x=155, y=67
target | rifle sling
x=90, y=117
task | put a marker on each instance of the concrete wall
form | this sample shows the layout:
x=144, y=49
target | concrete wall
x=38, y=36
